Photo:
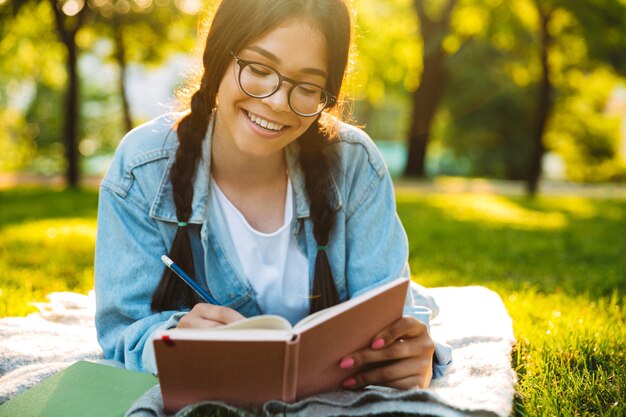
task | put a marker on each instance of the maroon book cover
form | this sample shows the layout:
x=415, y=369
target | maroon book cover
x=265, y=358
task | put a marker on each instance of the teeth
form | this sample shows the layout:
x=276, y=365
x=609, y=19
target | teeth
x=264, y=123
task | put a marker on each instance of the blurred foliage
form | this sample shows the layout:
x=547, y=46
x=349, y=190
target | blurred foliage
x=486, y=122
x=584, y=133
x=32, y=66
x=482, y=129
x=386, y=66
x=490, y=117
x=489, y=105
x=588, y=60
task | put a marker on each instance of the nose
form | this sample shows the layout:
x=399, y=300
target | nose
x=279, y=101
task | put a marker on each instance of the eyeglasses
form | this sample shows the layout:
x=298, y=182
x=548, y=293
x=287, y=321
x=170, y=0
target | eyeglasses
x=260, y=81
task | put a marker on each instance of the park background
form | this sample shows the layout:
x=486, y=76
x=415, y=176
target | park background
x=503, y=123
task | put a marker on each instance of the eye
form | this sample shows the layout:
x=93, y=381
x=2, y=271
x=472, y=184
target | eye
x=309, y=90
x=259, y=70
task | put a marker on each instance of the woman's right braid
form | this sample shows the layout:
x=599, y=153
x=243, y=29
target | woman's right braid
x=172, y=293
x=191, y=131
x=316, y=169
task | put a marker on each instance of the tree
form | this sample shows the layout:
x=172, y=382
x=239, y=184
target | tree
x=600, y=24
x=488, y=116
x=385, y=68
x=433, y=82
x=72, y=16
x=69, y=18
x=545, y=97
x=534, y=50
x=29, y=64
x=145, y=33
x=68, y=22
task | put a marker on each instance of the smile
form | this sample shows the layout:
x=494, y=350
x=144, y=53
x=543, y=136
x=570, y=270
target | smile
x=265, y=124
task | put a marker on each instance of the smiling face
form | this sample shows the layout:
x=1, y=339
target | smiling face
x=262, y=127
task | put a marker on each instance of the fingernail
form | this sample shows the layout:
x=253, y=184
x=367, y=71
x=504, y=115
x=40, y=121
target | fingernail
x=346, y=363
x=378, y=343
x=350, y=382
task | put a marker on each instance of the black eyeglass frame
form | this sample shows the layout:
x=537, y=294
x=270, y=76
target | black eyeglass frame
x=331, y=99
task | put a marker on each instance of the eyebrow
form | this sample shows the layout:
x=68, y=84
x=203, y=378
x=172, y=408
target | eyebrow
x=272, y=57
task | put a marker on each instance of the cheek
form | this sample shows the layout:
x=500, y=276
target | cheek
x=306, y=122
x=229, y=89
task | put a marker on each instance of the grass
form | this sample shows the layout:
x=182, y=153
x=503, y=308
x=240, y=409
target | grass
x=557, y=262
x=47, y=242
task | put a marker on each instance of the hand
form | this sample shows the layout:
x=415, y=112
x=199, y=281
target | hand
x=402, y=355
x=205, y=315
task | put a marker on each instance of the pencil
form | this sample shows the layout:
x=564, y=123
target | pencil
x=188, y=280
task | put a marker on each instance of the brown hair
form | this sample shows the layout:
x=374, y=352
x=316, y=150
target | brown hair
x=235, y=23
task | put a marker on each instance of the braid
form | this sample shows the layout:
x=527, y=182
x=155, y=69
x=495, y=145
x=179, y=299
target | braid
x=172, y=293
x=317, y=178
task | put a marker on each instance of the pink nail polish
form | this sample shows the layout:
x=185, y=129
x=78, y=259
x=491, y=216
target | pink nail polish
x=350, y=382
x=346, y=363
x=378, y=343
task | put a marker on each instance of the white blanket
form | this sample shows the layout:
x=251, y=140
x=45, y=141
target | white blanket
x=473, y=320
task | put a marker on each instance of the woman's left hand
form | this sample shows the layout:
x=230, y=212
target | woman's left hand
x=401, y=355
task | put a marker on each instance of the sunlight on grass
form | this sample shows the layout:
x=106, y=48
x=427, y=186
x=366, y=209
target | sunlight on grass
x=497, y=210
x=557, y=262
x=42, y=256
x=585, y=254
x=51, y=232
x=563, y=286
x=570, y=351
x=575, y=206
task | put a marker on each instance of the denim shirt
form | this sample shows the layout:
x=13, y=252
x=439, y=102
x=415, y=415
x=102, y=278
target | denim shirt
x=137, y=223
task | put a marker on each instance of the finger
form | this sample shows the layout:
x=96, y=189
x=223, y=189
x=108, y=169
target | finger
x=207, y=315
x=422, y=346
x=223, y=315
x=194, y=322
x=413, y=381
x=405, y=373
x=406, y=327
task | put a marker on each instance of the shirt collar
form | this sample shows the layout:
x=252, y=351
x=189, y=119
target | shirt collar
x=163, y=205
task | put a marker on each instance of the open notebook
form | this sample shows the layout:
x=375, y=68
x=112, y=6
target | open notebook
x=263, y=358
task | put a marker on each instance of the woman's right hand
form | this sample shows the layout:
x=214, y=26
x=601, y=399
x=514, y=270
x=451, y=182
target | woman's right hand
x=204, y=315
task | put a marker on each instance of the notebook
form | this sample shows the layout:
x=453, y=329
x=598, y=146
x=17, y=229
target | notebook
x=80, y=390
x=263, y=358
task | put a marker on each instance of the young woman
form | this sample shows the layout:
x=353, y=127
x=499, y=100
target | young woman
x=268, y=201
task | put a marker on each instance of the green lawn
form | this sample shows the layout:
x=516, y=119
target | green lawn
x=559, y=264
x=46, y=244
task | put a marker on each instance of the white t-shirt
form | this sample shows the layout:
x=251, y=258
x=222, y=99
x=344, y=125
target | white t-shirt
x=272, y=262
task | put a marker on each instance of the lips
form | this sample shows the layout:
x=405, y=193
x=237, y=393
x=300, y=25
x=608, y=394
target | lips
x=263, y=123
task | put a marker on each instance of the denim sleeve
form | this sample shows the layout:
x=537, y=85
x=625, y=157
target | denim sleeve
x=423, y=307
x=127, y=271
x=376, y=243
x=379, y=249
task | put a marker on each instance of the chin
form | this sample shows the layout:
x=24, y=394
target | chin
x=259, y=150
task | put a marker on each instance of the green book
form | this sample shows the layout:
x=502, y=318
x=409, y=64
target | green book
x=82, y=389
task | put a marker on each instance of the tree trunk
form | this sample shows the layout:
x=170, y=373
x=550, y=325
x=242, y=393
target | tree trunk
x=544, y=105
x=426, y=100
x=120, y=56
x=427, y=97
x=72, y=110
x=72, y=116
